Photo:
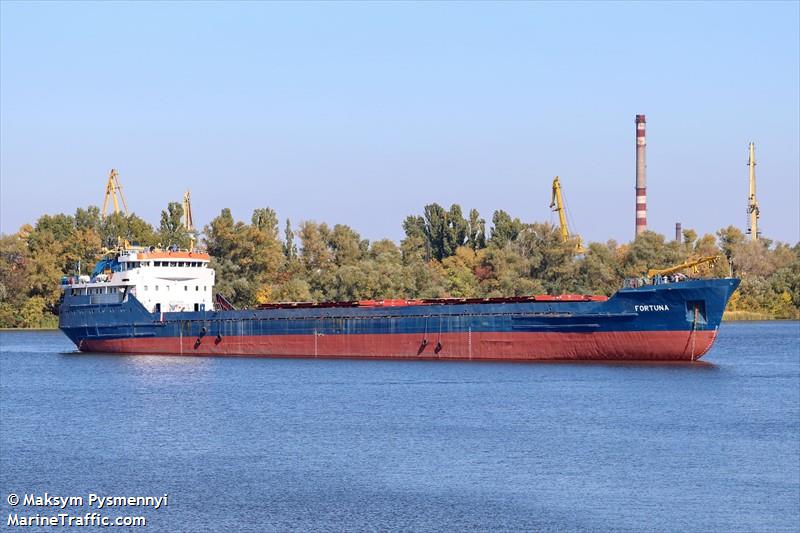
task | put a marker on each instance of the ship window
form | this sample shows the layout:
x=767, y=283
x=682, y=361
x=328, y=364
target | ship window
x=186, y=287
x=172, y=263
x=197, y=287
x=145, y=287
x=156, y=287
x=158, y=263
x=205, y=288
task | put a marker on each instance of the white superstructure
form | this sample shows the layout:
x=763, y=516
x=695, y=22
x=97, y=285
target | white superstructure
x=162, y=280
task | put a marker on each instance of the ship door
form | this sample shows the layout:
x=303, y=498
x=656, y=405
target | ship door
x=696, y=308
x=157, y=308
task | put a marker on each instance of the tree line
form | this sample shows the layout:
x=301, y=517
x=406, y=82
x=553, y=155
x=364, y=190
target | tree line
x=443, y=254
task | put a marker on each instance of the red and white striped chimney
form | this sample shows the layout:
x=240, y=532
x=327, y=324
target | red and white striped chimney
x=641, y=176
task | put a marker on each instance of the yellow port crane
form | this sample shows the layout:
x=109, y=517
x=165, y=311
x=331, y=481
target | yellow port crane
x=112, y=189
x=752, y=204
x=707, y=261
x=557, y=205
x=188, y=223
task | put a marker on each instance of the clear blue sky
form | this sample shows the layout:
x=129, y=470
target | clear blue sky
x=363, y=113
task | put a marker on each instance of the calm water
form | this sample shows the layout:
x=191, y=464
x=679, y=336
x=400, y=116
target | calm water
x=315, y=445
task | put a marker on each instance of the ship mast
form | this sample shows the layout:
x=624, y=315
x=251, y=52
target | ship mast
x=752, y=203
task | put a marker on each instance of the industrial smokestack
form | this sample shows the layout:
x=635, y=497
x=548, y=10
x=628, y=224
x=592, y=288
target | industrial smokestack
x=641, y=176
x=678, y=234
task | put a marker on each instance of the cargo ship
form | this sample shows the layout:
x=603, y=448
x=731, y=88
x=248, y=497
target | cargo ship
x=148, y=301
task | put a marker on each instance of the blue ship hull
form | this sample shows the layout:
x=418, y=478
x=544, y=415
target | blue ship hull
x=675, y=321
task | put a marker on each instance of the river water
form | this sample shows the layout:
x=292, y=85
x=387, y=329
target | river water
x=342, y=445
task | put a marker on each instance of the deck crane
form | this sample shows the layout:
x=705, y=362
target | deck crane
x=557, y=204
x=112, y=189
x=188, y=223
x=752, y=204
x=695, y=264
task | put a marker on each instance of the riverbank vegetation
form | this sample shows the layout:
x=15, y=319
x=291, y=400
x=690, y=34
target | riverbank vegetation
x=445, y=253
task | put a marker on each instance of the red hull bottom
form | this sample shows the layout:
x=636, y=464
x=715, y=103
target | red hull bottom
x=611, y=346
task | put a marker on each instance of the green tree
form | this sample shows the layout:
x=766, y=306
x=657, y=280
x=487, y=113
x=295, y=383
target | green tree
x=477, y=231
x=266, y=221
x=117, y=227
x=457, y=230
x=729, y=239
x=289, y=247
x=171, y=231
x=346, y=245
x=504, y=229
x=689, y=236
x=436, y=230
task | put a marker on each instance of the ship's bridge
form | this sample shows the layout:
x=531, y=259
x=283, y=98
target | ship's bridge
x=162, y=280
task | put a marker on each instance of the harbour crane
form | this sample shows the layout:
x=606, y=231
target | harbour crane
x=112, y=189
x=557, y=205
x=188, y=223
x=752, y=204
